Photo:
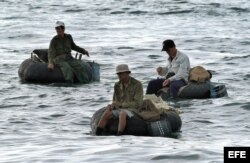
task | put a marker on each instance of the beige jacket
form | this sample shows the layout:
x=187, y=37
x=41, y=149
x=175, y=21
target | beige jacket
x=130, y=96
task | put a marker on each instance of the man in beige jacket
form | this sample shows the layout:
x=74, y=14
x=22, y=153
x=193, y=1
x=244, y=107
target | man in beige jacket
x=128, y=97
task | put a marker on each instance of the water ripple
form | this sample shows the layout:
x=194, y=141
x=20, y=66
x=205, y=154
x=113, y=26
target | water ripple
x=50, y=123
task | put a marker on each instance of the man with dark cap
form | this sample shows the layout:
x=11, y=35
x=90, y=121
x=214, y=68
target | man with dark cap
x=127, y=98
x=176, y=72
x=60, y=54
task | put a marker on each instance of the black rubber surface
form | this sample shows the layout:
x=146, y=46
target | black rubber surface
x=38, y=72
x=195, y=91
x=137, y=126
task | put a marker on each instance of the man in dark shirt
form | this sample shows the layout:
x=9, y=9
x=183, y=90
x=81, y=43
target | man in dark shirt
x=60, y=54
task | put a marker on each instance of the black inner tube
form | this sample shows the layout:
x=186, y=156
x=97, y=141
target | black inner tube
x=170, y=122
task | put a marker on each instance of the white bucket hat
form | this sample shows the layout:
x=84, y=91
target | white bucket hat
x=59, y=23
x=122, y=68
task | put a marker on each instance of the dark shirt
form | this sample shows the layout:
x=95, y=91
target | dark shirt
x=61, y=46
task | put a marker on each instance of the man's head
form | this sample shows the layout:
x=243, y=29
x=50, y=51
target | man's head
x=60, y=27
x=123, y=72
x=169, y=47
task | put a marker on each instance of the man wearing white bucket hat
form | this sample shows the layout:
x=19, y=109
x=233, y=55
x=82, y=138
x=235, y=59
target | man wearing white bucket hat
x=60, y=54
x=128, y=97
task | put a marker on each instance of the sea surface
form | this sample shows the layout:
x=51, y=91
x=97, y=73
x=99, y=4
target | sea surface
x=51, y=122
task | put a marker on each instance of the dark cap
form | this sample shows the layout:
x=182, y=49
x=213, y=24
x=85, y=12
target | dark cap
x=167, y=44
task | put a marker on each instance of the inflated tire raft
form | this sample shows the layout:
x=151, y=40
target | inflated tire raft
x=35, y=69
x=199, y=86
x=199, y=91
x=195, y=90
x=169, y=124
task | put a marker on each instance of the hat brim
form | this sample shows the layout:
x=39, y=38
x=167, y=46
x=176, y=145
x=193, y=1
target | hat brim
x=59, y=25
x=123, y=72
x=164, y=49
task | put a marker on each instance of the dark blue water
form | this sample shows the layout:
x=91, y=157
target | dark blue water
x=50, y=123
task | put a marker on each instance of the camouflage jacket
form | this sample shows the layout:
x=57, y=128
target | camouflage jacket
x=129, y=96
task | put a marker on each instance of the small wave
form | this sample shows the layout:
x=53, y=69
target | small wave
x=245, y=42
x=19, y=97
x=180, y=1
x=35, y=7
x=46, y=118
x=176, y=12
x=125, y=8
x=214, y=13
x=22, y=36
x=153, y=56
x=237, y=57
x=14, y=17
x=125, y=47
x=43, y=106
x=203, y=121
x=12, y=106
x=215, y=4
x=246, y=106
x=247, y=77
x=139, y=50
x=74, y=10
x=42, y=95
x=68, y=99
x=232, y=104
x=178, y=157
x=117, y=12
x=57, y=115
x=105, y=9
x=55, y=5
x=239, y=9
x=82, y=122
x=213, y=64
x=231, y=63
x=138, y=12
x=18, y=122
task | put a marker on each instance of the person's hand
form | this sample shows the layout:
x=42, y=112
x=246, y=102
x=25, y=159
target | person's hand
x=51, y=66
x=159, y=70
x=86, y=52
x=166, y=83
x=116, y=104
x=110, y=107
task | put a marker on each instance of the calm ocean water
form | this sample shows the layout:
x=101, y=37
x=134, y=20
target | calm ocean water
x=50, y=123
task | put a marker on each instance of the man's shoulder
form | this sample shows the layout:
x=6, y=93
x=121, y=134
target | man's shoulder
x=65, y=35
x=117, y=83
x=68, y=35
x=132, y=80
x=183, y=55
x=55, y=37
x=135, y=81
